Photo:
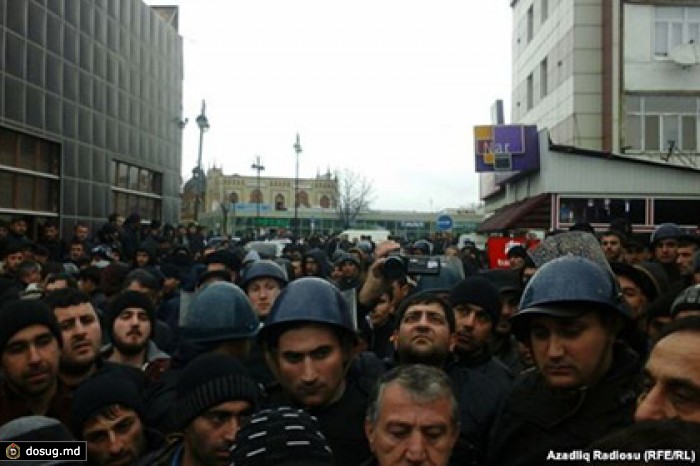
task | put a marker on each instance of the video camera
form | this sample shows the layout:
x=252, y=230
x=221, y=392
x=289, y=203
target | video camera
x=397, y=266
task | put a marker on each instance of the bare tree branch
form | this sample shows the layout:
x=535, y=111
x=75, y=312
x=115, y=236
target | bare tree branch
x=354, y=195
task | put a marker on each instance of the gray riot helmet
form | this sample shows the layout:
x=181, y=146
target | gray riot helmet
x=687, y=300
x=566, y=287
x=220, y=311
x=307, y=300
x=263, y=269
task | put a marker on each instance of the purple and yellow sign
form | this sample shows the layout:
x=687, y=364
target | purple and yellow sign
x=506, y=148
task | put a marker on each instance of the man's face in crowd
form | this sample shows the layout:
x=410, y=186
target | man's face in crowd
x=131, y=330
x=635, y=299
x=409, y=432
x=310, y=266
x=82, y=232
x=424, y=335
x=13, y=260
x=349, y=270
x=262, y=293
x=684, y=260
x=381, y=311
x=76, y=251
x=473, y=327
x=30, y=360
x=82, y=336
x=672, y=379
x=509, y=306
x=666, y=251
x=571, y=352
x=211, y=435
x=19, y=227
x=310, y=365
x=142, y=258
x=516, y=262
x=50, y=232
x=612, y=247
x=117, y=439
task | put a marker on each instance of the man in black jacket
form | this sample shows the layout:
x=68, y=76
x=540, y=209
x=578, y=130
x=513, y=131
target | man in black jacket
x=585, y=383
x=309, y=342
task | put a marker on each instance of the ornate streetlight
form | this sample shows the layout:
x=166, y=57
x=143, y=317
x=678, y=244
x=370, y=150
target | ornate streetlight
x=203, y=124
x=297, y=149
x=258, y=167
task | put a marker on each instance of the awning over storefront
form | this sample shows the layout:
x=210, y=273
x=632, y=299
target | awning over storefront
x=512, y=215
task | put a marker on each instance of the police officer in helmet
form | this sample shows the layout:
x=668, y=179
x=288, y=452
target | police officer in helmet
x=309, y=341
x=584, y=383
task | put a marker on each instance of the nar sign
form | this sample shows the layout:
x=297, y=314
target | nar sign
x=506, y=148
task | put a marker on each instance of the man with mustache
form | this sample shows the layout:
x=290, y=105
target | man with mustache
x=425, y=334
x=108, y=415
x=80, y=333
x=585, y=384
x=215, y=398
x=130, y=321
x=30, y=348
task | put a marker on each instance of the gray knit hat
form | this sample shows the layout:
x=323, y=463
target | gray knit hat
x=35, y=429
x=281, y=436
x=209, y=380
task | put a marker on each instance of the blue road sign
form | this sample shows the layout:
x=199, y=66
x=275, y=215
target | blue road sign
x=444, y=223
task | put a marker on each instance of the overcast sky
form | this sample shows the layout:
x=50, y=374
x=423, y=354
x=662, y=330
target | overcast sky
x=390, y=89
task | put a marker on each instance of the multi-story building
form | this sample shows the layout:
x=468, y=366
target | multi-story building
x=90, y=105
x=615, y=85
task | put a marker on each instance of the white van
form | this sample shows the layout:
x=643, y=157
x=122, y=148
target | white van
x=376, y=235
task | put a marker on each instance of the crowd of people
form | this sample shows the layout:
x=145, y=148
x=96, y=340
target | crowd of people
x=158, y=347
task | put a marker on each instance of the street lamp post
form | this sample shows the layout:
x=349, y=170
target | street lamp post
x=203, y=124
x=297, y=149
x=258, y=167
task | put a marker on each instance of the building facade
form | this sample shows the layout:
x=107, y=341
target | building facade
x=89, y=110
x=240, y=206
x=614, y=86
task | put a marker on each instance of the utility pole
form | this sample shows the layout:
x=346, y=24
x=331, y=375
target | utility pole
x=297, y=149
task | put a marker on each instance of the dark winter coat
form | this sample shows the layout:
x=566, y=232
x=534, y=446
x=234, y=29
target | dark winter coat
x=536, y=420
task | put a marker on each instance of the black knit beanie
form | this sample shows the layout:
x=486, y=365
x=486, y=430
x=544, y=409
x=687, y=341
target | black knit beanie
x=100, y=391
x=209, y=380
x=125, y=300
x=281, y=436
x=478, y=291
x=23, y=313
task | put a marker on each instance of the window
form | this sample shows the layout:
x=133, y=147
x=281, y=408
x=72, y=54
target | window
x=654, y=122
x=543, y=78
x=256, y=197
x=136, y=190
x=545, y=10
x=29, y=169
x=530, y=92
x=601, y=210
x=674, y=26
x=325, y=202
x=233, y=198
x=303, y=199
x=680, y=211
x=530, y=23
x=279, y=202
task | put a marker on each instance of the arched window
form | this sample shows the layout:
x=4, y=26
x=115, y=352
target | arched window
x=279, y=202
x=256, y=197
x=303, y=199
x=325, y=202
x=233, y=198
